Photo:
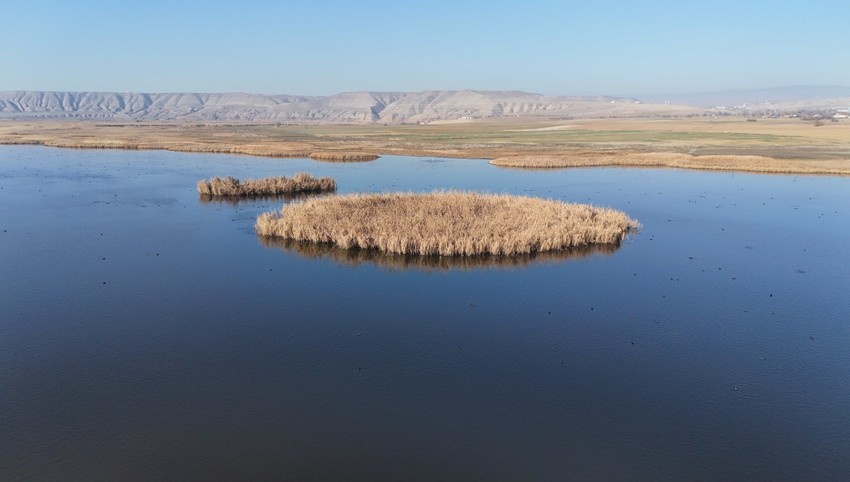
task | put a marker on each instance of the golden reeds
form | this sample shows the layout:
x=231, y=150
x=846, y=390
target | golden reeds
x=342, y=156
x=446, y=223
x=759, y=164
x=230, y=186
x=262, y=150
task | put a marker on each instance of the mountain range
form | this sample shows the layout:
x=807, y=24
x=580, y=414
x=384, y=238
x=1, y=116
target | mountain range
x=387, y=107
x=351, y=107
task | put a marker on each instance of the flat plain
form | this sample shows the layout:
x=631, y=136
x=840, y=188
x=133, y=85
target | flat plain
x=784, y=145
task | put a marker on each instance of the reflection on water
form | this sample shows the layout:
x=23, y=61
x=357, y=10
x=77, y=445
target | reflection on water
x=356, y=256
x=237, y=200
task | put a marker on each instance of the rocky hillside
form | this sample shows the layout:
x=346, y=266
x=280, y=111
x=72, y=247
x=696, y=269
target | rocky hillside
x=353, y=107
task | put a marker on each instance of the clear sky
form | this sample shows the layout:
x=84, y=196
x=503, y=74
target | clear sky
x=323, y=47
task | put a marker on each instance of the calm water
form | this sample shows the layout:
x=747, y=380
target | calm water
x=145, y=334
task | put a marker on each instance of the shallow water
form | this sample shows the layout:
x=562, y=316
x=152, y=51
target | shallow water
x=146, y=333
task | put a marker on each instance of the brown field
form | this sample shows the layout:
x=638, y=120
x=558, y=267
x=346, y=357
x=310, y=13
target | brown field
x=446, y=223
x=726, y=143
x=299, y=183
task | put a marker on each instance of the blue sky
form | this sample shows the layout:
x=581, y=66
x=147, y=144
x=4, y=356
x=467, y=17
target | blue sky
x=324, y=47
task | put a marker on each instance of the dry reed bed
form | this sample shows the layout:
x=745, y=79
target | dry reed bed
x=757, y=164
x=278, y=149
x=446, y=223
x=294, y=150
x=260, y=150
x=299, y=183
x=342, y=157
x=94, y=144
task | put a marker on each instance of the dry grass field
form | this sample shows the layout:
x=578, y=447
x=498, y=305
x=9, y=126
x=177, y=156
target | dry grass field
x=299, y=183
x=727, y=143
x=446, y=223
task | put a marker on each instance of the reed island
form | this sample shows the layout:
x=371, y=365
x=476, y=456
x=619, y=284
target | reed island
x=446, y=223
x=271, y=186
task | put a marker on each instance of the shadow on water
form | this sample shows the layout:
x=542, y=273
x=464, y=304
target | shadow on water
x=399, y=262
x=237, y=200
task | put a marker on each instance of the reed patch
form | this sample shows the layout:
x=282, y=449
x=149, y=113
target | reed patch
x=446, y=223
x=741, y=163
x=272, y=186
x=342, y=157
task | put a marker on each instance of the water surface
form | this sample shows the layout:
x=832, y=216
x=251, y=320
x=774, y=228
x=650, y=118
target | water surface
x=149, y=334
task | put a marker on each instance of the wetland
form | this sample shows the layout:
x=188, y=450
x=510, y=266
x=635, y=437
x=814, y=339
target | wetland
x=148, y=332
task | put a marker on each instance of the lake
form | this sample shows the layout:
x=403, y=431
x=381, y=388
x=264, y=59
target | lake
x=148, y=334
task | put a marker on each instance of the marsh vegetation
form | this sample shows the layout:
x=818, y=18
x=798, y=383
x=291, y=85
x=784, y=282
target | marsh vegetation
x=271, y=186
x=342, y=157
x=446, y=223
x=781, y=145
x=744, y=163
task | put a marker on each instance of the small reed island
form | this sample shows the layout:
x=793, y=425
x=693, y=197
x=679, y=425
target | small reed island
x=342, y=157
x=446, y=223
x=271, y=186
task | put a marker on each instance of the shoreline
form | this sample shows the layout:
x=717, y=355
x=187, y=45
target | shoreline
x=601, y=143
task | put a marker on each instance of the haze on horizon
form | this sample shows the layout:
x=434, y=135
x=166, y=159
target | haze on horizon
x=572, y=48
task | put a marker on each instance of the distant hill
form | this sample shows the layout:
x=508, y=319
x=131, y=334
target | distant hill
x=351, y=107
x=783, y=97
